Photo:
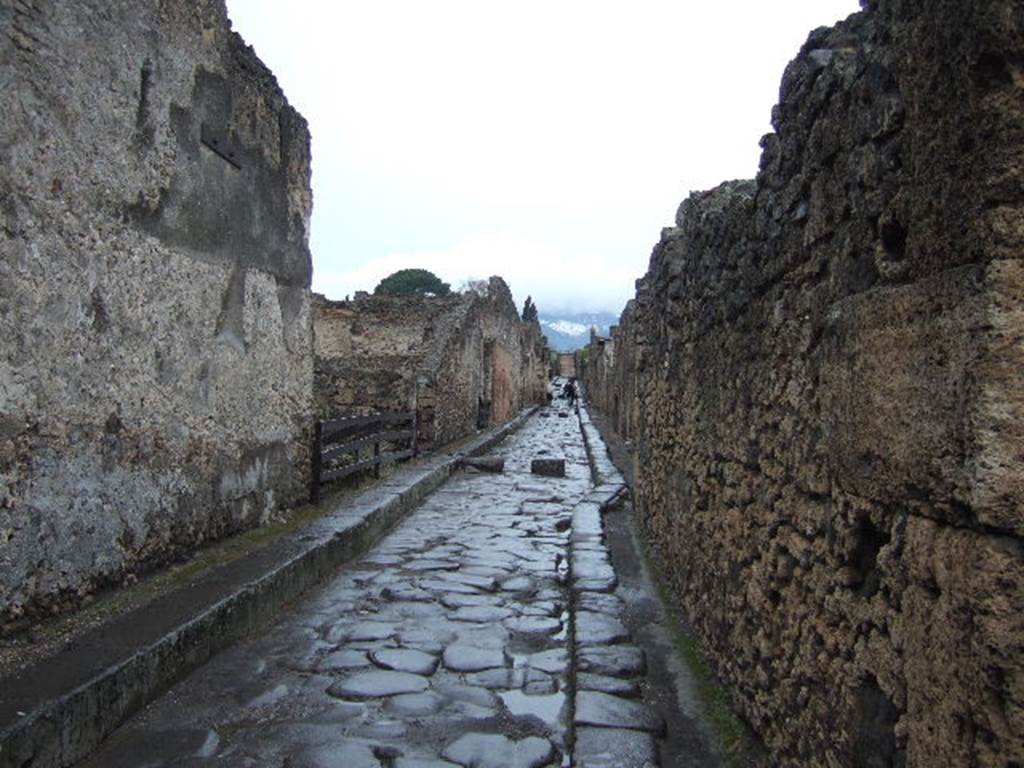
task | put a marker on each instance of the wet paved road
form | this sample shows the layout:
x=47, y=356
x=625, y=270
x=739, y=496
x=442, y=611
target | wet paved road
x=483, y=631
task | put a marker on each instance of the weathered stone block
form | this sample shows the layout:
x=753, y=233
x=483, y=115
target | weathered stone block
x=495, y=464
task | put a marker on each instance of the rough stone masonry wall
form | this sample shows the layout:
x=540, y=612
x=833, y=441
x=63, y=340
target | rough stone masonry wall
x=831, y=418
x=372, y=350
x=596, y=373
x=446, y=353
x=519, y=362
x=610, y=374
x=155, y=323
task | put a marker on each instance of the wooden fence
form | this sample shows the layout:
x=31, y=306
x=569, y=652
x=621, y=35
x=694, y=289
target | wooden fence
x=340, y=445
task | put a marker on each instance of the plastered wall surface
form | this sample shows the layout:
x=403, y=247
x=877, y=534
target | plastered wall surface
x=155, y=326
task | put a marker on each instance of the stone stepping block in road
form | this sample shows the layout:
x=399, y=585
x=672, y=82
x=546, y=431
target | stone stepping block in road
x=488, y=750
x=548, y=467
x=614, y=748
x=405, y=660
x=378, y=684
x=607, y=711
x=469, y=658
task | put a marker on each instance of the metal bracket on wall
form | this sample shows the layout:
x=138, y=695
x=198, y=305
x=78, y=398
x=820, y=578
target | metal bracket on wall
x=218, y=141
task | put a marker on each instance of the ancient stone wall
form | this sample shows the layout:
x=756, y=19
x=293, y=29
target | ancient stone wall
x=609, y=376
x=566, y=364
x=519, y=362
x=374, y=353
x=595, y=369
x=154, y=307
x=830, y=416
x=464, y=361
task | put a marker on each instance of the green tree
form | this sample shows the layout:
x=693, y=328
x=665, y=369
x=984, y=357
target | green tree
x=529, y=310
x=412, y=282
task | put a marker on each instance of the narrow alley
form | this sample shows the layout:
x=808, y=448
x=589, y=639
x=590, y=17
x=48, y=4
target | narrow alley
x=450, y=643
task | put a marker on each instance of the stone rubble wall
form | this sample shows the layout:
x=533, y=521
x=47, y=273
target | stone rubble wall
x=609, y=376
x=828, y=410
x=155, y=326
x=596, y=365
x=453, y=355
x=567, y=364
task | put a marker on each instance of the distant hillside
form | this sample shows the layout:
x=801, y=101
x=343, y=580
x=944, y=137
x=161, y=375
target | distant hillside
x=569, y=332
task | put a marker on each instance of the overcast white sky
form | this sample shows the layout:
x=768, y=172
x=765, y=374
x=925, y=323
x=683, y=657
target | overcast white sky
x=547, y=141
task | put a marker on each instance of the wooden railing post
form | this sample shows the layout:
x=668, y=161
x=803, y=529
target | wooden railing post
x=314, y=494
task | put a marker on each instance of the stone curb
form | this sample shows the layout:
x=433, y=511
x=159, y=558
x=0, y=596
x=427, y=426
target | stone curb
x=626, y=731
x=601, y=466
x=57, y=711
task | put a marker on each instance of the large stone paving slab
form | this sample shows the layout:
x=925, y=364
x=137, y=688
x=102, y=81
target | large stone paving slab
x=480, y=750
x=378, y=684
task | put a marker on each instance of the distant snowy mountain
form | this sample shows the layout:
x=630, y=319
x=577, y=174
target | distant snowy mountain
x=569, y=332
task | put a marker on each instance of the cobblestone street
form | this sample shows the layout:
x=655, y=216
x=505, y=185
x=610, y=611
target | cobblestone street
x=482, y=631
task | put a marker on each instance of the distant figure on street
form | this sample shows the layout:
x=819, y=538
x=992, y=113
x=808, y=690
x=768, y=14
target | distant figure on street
x=570, y=392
